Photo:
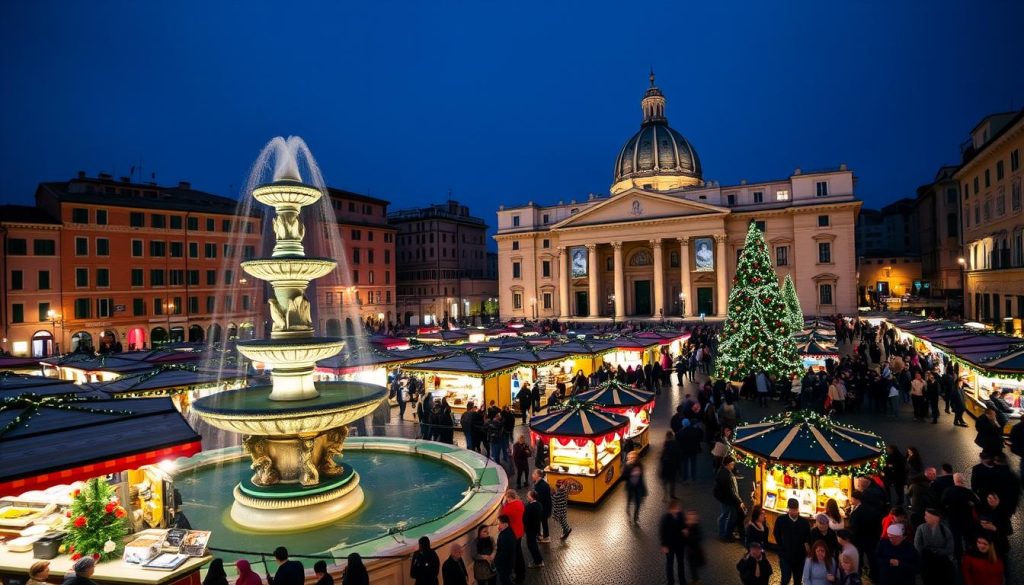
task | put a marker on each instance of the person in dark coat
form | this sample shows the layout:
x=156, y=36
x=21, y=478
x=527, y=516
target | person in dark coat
x=505, y=555
x=525, y=400
x=895, y=473
x=727, y=492
x=865, y=522
x=453, y=571
x=990, y=432
x=668, y=464
x=957, y=404
x=322, y=576
x=216, y=575
x=425, y=564
x=689, y=439
x=673, y=547
x=288, y=572
x=791, y=532
x=636, y=488
x=533, y=513
x=896, y=558
x=355, y=571
x=543, y=490
x=754, y=567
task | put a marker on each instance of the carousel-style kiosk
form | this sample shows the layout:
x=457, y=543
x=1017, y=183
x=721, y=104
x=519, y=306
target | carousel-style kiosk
x=635, y=404
x=806, y=456
x=583, y=449
x=815, y=354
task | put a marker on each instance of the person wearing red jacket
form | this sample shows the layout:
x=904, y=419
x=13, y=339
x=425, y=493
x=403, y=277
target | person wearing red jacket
x=514, y=508
x=980, y=565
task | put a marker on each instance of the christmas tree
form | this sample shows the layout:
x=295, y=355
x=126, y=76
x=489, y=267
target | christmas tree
x=96, y=522
x=756, y=335
x=796, y=314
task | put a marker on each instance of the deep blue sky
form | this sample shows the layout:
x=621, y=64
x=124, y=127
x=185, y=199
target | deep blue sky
x=501, y=102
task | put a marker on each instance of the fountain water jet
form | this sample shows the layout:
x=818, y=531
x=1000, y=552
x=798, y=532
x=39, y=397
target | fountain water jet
x=295, y=432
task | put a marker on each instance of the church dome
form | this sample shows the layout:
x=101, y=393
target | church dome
x=657, y=157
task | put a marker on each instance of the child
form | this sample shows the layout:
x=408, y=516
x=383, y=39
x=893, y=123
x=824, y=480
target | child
x=693, y=535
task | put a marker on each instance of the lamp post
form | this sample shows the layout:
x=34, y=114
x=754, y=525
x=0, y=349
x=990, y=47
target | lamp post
x=682, y=304
x=533, y=305
x=168, y=311
x=54, y=317
x=963, y=287
x=611, y=305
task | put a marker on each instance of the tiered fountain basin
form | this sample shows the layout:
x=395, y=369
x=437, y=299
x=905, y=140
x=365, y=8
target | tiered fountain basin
x=296, y=353
x=286, y=194
x=293, y=435
x=298, y=270
x=250, y=411
x=412, y=489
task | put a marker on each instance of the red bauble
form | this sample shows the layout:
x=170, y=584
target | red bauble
x=119, y=512
x=76, y=556
x=110, y=507
x=95, y=556
x=80, y=522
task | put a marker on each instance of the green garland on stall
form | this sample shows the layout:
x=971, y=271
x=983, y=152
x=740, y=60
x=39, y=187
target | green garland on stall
x=871, y=467
x=31, y=404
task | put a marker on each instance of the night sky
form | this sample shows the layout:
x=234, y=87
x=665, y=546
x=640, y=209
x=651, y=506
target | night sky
x=499, y=102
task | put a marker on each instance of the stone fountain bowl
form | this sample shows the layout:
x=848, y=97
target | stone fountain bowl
x=303, y=351
x=286, y=193
x=249, y=411
x=289, y=268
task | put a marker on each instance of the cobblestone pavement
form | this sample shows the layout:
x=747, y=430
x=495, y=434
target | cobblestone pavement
x=606, y=549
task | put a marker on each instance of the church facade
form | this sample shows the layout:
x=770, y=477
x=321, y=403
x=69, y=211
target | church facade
x=665, y=243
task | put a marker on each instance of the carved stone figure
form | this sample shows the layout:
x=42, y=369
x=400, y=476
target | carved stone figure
x=333, y=441
x=295, y=317
x=288, y=227
x=307, y=467
x=258, y=447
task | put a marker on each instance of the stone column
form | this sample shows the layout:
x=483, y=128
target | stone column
x=594, y=289
x=620, y=285
x=720, y=270
x=659, y=279
x=563, y=284
x=684, y=268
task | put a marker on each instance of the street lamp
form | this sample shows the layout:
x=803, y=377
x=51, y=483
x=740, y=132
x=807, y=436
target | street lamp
x=54, y=317
x=533, y=304
x=611, y=305
x=682, y=304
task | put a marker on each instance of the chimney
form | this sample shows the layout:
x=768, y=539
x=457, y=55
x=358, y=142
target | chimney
x=842, y=167
x=185, y=185
x=81, y=174
x=743, y=181
x=797, y=171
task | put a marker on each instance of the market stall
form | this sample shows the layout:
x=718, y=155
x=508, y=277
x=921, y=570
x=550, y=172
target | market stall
x=632, y=352
x=622, y=399
x=468, y=377
x=588, y=354
x=583, y=449
x=806, y=456
x=815, y=354
x=542, y=368
x=59, y=438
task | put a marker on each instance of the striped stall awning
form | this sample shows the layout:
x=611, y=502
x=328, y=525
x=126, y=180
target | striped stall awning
x=806, y=438
x=615, y=394
x=577, y=420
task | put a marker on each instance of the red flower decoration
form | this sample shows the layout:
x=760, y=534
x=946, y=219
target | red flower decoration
x=76, y=493
x=76, y=556
x=80, y=522
x=68, y=513
x=109, y=508
x=119, y=512
x=96, y=556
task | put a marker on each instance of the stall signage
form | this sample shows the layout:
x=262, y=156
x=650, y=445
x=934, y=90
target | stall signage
x=574, y=486
x=609, y=474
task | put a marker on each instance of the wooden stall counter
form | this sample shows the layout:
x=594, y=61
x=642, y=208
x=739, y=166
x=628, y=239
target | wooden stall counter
x=589, y=489
x=14, y=569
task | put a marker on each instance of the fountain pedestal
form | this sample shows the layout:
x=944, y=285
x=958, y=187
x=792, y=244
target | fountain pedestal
x=295, y=429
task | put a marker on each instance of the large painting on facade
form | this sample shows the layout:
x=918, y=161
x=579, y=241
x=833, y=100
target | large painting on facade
x=704, y=254
x=578, y=255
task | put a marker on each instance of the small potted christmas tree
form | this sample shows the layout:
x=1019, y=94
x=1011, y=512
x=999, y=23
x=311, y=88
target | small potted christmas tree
x=97, y=522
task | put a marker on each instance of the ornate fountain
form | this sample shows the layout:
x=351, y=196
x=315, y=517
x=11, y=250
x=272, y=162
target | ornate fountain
x=295, y=429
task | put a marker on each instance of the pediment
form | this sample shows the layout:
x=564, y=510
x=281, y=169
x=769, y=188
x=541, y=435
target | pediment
x=638, y=205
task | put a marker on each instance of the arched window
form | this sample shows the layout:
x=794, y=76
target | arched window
x=42, y=344
x=641, y=258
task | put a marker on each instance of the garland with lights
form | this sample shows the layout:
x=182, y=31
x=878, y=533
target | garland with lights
x=756, y=336
x=1018, y=377
x=872, y=466
x=97, y=523
x=31, y=404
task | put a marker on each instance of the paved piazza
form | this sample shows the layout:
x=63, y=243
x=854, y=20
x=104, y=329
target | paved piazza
x=606, y=549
